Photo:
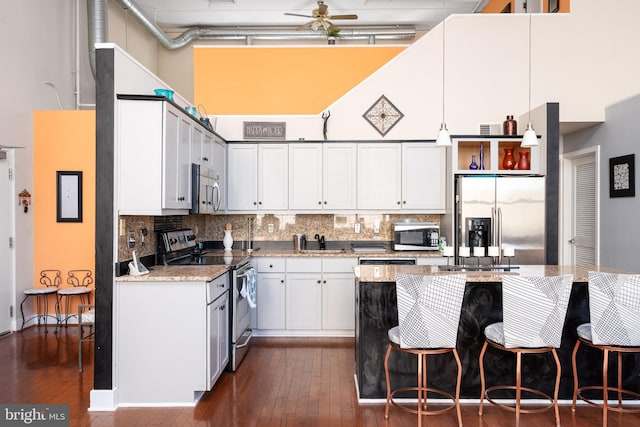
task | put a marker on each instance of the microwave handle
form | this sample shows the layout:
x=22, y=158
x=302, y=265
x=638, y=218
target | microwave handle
x=216, y=190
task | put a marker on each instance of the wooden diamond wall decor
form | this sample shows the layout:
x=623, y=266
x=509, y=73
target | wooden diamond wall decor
x=383, y=115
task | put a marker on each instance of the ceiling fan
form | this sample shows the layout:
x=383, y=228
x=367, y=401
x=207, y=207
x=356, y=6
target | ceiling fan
x=321, y=18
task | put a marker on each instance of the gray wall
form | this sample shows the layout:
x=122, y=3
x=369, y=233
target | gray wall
x=619, y=217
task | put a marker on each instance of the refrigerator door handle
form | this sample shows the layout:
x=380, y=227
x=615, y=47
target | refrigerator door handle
x=500, y=232
x=494, y=224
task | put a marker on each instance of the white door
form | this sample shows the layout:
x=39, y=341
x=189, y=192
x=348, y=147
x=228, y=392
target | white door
x=423, y=179
x=379, y=179
x=581, y=195
x=305, y=176
x=339, y=176
x=6, y=258
x=273, y=173
x=242, y=184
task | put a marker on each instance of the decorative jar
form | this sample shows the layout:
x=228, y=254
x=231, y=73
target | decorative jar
x=510, y=126
x=508, y=162
x=227, y=240
x=523, y=161
x=473, y=165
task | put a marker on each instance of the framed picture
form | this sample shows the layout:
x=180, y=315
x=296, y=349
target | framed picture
x=553, y=6
x=622, y=176
x=69, y=196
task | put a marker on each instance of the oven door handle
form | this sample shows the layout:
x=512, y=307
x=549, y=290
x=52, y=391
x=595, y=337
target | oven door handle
x=246, y=341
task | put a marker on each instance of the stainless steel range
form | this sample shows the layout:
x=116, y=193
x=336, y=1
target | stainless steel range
x=178, y=247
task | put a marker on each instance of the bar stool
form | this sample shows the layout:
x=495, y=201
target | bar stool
x=614, y=310
x=428, y=313
x=534, y=310
x=80, y=280
x=51, y=279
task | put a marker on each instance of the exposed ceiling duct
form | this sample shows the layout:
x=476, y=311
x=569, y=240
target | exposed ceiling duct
x=97, y=28
x=254, y=33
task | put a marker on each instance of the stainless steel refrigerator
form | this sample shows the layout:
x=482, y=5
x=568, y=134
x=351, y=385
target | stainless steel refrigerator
x=505, y=211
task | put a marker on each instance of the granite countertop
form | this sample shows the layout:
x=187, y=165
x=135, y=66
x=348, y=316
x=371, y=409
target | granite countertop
x=337, y=253
x=387, y=273
x=178, y=273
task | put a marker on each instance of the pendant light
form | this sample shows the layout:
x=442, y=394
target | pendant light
x=443, y=139
x=529, y=139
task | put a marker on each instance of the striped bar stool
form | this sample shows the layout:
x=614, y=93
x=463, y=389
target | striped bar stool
x=80, y=281
x=51, y=280
x=614, y=310
x=428, y=313
x=534, y=310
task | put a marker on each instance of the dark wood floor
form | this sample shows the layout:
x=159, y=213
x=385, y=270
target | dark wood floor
x=282, y=382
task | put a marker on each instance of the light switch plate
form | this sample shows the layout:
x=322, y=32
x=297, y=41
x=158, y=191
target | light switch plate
x=376, y=226
x=270, y=228
x=356, y=228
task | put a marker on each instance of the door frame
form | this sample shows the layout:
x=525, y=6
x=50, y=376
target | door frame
x=566, y=198
x=10, y=258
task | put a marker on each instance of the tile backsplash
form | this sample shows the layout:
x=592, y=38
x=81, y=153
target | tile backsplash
x=211, y=227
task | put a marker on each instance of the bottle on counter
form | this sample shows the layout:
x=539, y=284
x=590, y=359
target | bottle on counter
x=227, y=240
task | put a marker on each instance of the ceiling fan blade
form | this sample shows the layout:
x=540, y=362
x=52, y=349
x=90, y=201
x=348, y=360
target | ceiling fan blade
x=343, y=17
x=298, y=14
x=307, y=25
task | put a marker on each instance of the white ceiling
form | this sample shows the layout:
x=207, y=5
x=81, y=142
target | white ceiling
x=422, y=14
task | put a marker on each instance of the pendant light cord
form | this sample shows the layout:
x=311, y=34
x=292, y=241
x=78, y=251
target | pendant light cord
x=443, y=56
x=529, y=66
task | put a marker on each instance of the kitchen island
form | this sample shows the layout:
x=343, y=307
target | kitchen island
x=376, y=313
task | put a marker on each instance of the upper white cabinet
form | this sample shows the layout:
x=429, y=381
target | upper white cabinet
x=423, y=176
x=257, y=177
x=379, y=166
x=154, y=158
x=322, y=176
x=408, y=176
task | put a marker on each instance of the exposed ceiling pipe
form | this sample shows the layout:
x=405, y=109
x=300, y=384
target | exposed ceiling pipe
x=97, y=28
x=264, y=33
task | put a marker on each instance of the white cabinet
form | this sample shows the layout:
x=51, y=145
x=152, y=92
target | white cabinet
x=271, y=293
x=316, y=296
x=169, y=360
x=338, y=294
x=257, y=177
x=322, y=176
x=304, y=294
x=153, y=158
x=408, y=176
x=379, y=166
x=423, y=176
x=219, y=338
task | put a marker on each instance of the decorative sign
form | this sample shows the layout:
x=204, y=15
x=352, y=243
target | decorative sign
x=383, y=115
x=622, y=176
x=265, y=130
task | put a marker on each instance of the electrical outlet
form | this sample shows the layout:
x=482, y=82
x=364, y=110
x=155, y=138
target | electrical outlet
x=270, y=228
x=356, y=228
x=376, y=272
x=376, y=226
x=132, y=240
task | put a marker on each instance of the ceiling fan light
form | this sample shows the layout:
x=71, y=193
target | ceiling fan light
x=529, y=139
x=443, y=139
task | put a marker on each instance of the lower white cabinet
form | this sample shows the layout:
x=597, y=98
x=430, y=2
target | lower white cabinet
x=170, y=345
x=306, y=296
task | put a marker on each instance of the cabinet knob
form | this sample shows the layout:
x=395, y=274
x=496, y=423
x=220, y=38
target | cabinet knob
x=254, y=203
x=270, y=265
x=404, y=202
x=282, y=281
x=259, y=203
x=324, y=281
x=222, y=307
x=319, y=203
x=325, y=202
x=398, y=201
x=205, y=159
x=319, y=281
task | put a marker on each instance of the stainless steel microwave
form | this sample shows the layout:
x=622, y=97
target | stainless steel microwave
x=416, y=236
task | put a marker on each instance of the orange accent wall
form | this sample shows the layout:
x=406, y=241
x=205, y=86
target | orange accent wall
x=496, y=6
x=63, y=141
x=281, y=80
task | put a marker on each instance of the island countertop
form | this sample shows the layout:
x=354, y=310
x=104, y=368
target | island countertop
x=387, y=273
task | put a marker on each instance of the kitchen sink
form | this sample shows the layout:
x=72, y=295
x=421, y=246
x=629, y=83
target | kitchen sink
x=324, y=251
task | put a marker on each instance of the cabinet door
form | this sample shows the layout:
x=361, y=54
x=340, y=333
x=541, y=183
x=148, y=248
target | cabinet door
x=339, y=176
x=338, y=301
x=219, y=162
x=184, y=163
x=170, y=155
x=270, y=295
x=242, y=184
x=304, y=301
x=305, y=176
x=273, y=173
x=215, y=337
x=202, y=147
x=423, y=176
x=223, y=331
x=379, y=166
